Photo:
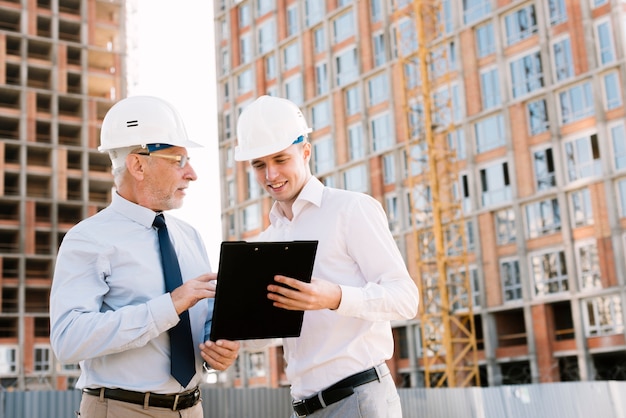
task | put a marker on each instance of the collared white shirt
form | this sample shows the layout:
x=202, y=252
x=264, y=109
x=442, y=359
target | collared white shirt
x=357, y=251
x=108, y=306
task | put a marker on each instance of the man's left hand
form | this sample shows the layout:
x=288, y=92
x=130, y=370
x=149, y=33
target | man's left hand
x=221, y=354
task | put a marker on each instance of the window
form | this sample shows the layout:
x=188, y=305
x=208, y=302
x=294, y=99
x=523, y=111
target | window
x=343, y=27
x=323, y=155
x=320, y=115
x=415, y=116
x=381, y=132
x=267, y=36
x=347, y=67
x=598, y=3
x=588, y=265
x=582, y=156
x=355, y=178
x=582, y=214
x=321, y=78
x=356, y=146
x=563, y=64
x=463, y=192
x=505, y=226
x=557, y=11
x=255, y=364
x=549, y=273
x=227, y=126
x=612, y=90
x=353, y=101
x=543, y=217
x=292, y=20
x=526, y=74
x=621, y=190
x=511, y=280
x=447, y=106
x=319, y=39
x=245, y=43
x=418, y=158
x=474, y=10
x=314, y=11
x=485, y=40
x=265, y=6
x=254, y=189
x=543, y=162
x=495, y=184
x=618, y=139
x=442, y=59
x=537, y=116
x=603, y=315
x=270, y=67
x=8, y=360
x=391, y=207
x=41, y=359
x=378, y=89
x=251, y=217
x=231, y=193
x=244, y=82
x=421, y=204
x=605, y=47
x=245, y=17
x=291, y=56
x=490, y=133
x=576, y=103
x=458, y=294
x=293, y=89
x=456, y=143
x=389, y=169
x=225, y=61
x=520, y=24
x=411, y=75
x=490, y=88
x=379, y=49
x=407, y=38
x=376, y=10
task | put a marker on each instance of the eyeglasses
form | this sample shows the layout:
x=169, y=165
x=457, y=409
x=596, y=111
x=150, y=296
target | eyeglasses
x=182, y=160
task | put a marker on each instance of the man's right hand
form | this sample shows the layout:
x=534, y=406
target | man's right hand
x=193, y=291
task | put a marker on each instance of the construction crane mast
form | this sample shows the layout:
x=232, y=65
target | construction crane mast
x=426, y=68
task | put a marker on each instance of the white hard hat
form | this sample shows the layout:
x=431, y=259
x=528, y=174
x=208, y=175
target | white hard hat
x=142, y=120
x=268, y=125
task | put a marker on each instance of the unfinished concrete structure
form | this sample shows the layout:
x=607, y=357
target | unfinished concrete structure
x=61, y=67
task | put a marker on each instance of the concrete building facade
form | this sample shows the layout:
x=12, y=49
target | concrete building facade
x=539, y=133
x=61, y=69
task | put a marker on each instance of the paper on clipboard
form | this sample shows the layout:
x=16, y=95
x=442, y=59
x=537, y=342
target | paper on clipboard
x=242, y=310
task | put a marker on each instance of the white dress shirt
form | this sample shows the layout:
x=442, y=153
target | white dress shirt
x=357, y=251
x=108, y=306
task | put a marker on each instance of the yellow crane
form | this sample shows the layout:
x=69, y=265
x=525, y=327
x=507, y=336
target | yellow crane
x=449, y=349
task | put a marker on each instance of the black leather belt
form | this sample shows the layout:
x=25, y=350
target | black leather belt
x=174, y=402
x=334, y=393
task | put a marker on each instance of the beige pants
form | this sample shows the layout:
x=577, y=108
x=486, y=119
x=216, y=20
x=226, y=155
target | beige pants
x=93, y=407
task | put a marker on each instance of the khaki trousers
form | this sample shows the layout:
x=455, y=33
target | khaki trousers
x=93, y=407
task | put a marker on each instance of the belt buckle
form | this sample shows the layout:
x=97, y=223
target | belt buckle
x=175, y=402
x=301, y=402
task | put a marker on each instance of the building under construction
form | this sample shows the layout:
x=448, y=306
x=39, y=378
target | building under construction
x=523, y=102
x=61, y=66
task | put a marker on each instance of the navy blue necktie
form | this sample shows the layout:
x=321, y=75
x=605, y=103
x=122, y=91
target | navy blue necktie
x=181, y=342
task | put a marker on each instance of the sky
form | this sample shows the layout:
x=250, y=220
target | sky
x=174, y=56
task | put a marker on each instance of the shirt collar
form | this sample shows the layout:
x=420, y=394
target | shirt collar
x=312, y=192
x=133, y=211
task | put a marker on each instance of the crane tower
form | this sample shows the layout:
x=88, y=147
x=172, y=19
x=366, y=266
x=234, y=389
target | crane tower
x=426, y=69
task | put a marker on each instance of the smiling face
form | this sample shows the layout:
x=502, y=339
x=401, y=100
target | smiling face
x=284, y=173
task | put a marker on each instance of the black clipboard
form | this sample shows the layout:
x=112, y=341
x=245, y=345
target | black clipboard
x=242, y=310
